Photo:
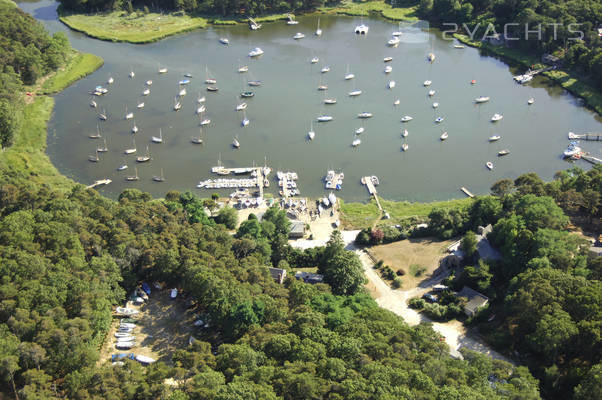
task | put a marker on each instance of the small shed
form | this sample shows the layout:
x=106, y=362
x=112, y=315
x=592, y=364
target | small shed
x=595, y=251
x=278, y=274
x=297, y=230
x=475, y=300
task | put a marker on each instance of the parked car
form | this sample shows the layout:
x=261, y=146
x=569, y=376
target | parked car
x=431, y=298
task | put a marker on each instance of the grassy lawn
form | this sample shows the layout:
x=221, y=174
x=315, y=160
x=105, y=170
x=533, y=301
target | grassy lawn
x=80, y=65
x=573, y=84
x=379, y=7
x=417, y=258
x=360, y=215
x=137, y=27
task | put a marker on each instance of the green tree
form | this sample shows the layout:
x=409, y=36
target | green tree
x=227, y=216
x=344, y=273
x=469, y=244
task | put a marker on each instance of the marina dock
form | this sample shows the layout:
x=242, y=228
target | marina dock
x=591, y=159
x=367, y=180
x=99, y=183
x=466, y=192
x=585, y=136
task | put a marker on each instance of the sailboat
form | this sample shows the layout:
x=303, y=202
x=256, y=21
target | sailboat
x=145, y=157
x=405, y=147
x=321, y=86
x=253, y=81
x=348, y=75
x=311, y=134
x=123, y=166
x=177, y=105
x=110, y=80
x=140, y=105
x=241, y=106
x=201, y=109
x=103, y=149
x=158, y=139
x=132, y=149
x=405, y=133
x=146, y=92
x=201, y=99
x=236, y=143
x=159, y=178
x=93, y=103
x=103, y=115
x=318, y=30
x=444, y=136
x=242, y=68
x=208, y=80
x=356, y=142
x=224, y=41
x=128, y=115
x=204, y=121
x=135, y=128
x=531, y=101
x=245, y=120
x=95, y=135
x=315, y=60
x=162, y=70
x=133, y=178
x=132, y=74
x=94, y=158
x=198, y=139
x=182, y=92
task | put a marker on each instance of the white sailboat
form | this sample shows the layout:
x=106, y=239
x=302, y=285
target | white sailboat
x=177, y=105
x=96, y=135
x=128, y=115
x=236, y=143
x=496, y=117
x=162, y=70
x=298, y=36
x=315, y=60
x=388, y=69
x=324, y=118
x=158, y=139
x=135, y=128
x=94, y=158
x=405, y=133
x=311, y=134
x=123, y=166
x=198, y=139
x=494, y=138
x=391, y=84
x=405, y=147
x=132, y=149
x=348, y=75
x=489, y=165
x=103, y=115
x=444, y=136
x=241, y=106
x=103, y=149
x=132, y=74
x=145, y=157
x=110, y=80
x=146, y=92
x=531, y=101
x=359, y=130
x=406, y=118
x=182, y=92
x=140, y=105
x=356, y=142
x=318, y=30
x=149, y=82
x=208, y=79
x=245, y=121
x=134, y=177
x=93, y=103
x=201, y=109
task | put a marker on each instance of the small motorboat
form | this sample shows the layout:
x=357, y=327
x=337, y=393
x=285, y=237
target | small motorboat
x=298, y=36
x=146, y=92
x=122, y=334
x=473, y=82
x=205, y=122
x=212, y=88
x=149, y=82
x=494, y=138
x=254, y=83
x=182, y=92
x=482, y=99
x=394, y=41
x=362, y=29
x=388, y=59
x=458, y=46
x=244, y=68
x=356, y=142
x=504, y=152
x=572, y=149
x=224, y=41
x=330, y=101
x=210, y=81
x=245, y=122
x=405, y=147
x=427, y=83
x=324, y=118
x=489, y=165
x=122, y=167
x=93, y=103
x=396, y=102
x=162, y=70
x=236, y=143
x=405, y=133
x=431, y=57
x=247, y=94
x=349, y=76
x=391, y=84
x=496, y=117
x=241, y=106
x=325, y=70
x=184, y=82
x=314, y=60
x=110, y=80
x=355, y=93
x=531, y=101
x=201, y=100
x=388, y=69
x=256, y=52
x=144, y=359
x=359, y=130
x=140, y=105
x=444, y=136
x=407, y=118
x=322, y=87
x=125, y=345
x=435, y=105
x=438, y=120
x=364, y=115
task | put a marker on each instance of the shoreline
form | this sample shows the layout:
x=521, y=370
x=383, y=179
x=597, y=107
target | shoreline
x=592, y=98
x=27, y=157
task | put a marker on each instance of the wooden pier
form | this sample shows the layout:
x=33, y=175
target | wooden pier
x=372, y=190
x=585, y=136
x=466, y=192
x=589, y=158
x=99, y=183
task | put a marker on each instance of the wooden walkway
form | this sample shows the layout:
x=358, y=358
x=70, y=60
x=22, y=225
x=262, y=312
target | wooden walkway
x=372, y=191
x=586, y=136
x=466, y=192
x=99, y=183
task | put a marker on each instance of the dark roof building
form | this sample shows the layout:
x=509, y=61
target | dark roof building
x=475, y=300
x=278, y=274
x=308, y=277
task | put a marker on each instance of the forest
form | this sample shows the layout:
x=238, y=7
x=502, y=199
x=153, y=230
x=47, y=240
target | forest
x=27, y=52
x=583, y=55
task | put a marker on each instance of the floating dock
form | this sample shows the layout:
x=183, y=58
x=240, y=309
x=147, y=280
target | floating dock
x=466, y=192
x=585, y=136
x=589, y=158
x=99, y=183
